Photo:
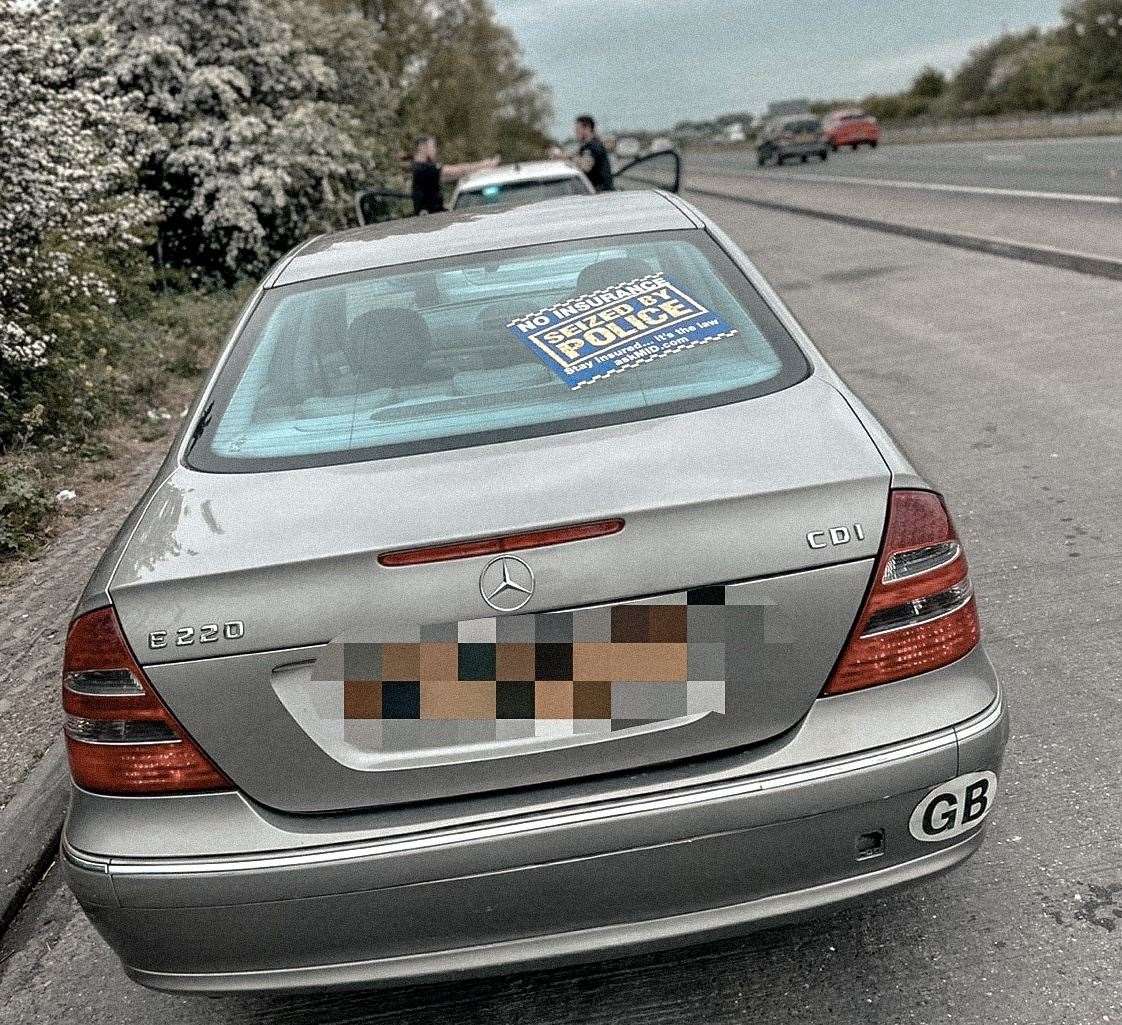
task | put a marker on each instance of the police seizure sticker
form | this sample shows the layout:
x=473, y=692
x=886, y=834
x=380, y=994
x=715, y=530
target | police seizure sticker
x=954, y=807
x=614, y=329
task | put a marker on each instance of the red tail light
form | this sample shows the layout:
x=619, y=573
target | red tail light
x=920, y=612
x=121, y=739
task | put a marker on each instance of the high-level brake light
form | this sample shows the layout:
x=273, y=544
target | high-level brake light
x=501, y=544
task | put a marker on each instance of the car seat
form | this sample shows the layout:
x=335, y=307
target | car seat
x=388, y=348
x=615, y=271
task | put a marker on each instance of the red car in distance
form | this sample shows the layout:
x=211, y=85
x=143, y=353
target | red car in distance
x=850, y=128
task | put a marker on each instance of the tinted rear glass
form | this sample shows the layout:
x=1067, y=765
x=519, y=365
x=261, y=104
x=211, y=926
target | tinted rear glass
x=424, y=357
x=520, y=192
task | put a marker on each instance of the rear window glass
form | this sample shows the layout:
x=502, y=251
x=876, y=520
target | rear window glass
x=520, y=192
x=427, y=356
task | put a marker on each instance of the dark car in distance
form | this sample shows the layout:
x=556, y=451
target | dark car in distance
x=797, y=136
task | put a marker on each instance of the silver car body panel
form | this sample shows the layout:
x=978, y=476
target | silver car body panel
x=691, y=831
x=646, y=863
x=235, y=707
x=480, y=230
x=232, y=824
x=211, y=548
x=819, y=468
x=550, y=949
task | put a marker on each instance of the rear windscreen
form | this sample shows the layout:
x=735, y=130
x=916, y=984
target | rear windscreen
x=520, y=192
x=530, y=342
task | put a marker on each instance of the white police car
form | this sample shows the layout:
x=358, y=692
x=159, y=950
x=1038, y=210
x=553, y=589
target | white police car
x=521, y=183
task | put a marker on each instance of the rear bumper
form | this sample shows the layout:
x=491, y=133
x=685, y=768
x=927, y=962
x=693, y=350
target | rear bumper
x=562, y=883
x=559, y=948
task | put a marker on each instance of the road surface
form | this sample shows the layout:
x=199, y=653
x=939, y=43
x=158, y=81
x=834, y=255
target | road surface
x=1088, y=166
x=1016, y=191
x=1002, y=379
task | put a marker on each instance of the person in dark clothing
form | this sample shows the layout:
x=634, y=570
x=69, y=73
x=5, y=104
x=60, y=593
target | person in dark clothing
x=592, y=156
x=428, y=175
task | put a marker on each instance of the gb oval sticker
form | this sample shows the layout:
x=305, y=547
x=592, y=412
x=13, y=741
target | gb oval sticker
x=954, y=807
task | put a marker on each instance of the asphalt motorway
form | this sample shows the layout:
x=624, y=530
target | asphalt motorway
x=1087, y=166
x=1002, y=379
x=1014, y=191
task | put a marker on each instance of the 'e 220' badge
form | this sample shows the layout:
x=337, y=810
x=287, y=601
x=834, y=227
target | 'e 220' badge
x=208, y=633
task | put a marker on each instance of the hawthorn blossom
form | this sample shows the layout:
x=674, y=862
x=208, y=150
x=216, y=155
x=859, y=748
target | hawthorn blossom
x=246, y=150
x=68, y=200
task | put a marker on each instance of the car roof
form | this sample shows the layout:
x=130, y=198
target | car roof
x=481, y=230
x=531, y=170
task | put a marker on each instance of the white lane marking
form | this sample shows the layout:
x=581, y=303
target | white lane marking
x=1067, y=140
x=980, y=190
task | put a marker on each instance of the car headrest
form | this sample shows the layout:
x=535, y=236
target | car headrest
x=388, y=347
x=611, y=272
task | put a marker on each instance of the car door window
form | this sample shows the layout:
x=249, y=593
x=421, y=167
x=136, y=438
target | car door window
x=373, y=206
x=657, y=171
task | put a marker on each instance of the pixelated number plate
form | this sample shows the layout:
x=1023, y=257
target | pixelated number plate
x=597, y=670
x=611, y=330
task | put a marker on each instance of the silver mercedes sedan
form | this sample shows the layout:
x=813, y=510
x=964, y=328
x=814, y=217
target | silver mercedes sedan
x=524, y=588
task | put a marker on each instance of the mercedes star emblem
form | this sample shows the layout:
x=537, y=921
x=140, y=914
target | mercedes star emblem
x=506, y=584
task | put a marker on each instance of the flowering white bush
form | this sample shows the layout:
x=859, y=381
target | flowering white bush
x=247, y=153
x=68, y=201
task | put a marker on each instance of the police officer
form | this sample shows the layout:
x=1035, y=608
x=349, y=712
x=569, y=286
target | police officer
x=428, y=175
x=592, y=156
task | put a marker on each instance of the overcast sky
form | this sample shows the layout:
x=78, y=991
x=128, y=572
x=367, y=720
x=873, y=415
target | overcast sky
x=649, y=63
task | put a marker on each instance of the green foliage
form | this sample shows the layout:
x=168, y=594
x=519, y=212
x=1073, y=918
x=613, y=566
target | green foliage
x=247, y=148
x=177, y=336
x=1041, y=79
x=1077, y=66
x=150, y=147
x=895, y=106
x=72, y=225
x=362, y=55
x=450, y=69
x=929, y=83
x=473, y=91
x=64, y=398
x=117, y=365
x=986, y=70
x=1092, y=33
x=25, y=503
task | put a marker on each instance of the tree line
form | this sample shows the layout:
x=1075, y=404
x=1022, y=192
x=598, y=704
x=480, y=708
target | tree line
x=1076, y=66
